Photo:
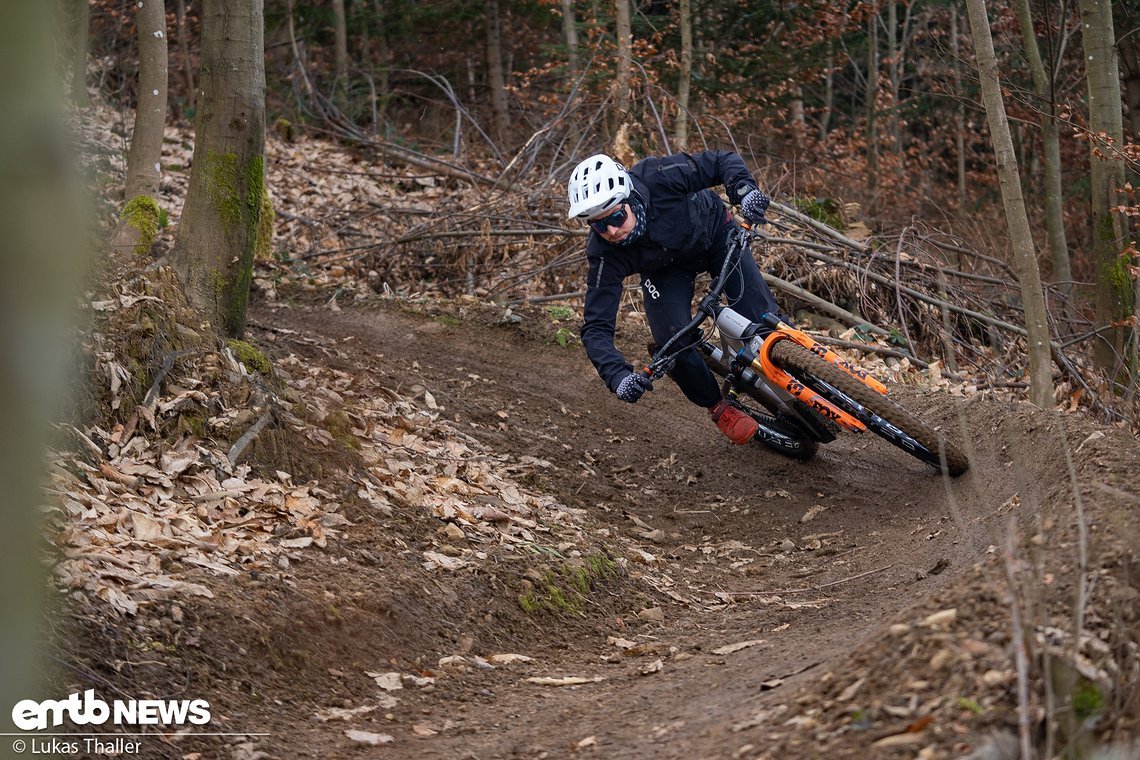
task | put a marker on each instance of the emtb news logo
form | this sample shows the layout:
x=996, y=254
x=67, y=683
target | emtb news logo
x=89, y=710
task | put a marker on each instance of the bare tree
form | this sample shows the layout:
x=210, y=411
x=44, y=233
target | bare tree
x=872, y=97
x=496, y=80
x=960, y=112
x=143, y=168
x=1054, y=193
x=223, y=222
x=340, y=54
x=623, y=28
x=1040, y=368
x=184, y=49
x=685, y=20
x=570, y=32
x=1115, y=295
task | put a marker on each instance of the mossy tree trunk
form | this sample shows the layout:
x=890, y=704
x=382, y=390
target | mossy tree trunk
x=221, y=221
x=1115, y=298
x=143, y=161
x=1009, y=179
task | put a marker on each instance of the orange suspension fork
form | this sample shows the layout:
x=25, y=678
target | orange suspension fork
x=763, y=363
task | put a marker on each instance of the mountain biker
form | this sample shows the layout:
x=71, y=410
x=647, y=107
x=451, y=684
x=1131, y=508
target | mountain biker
x=662, y=221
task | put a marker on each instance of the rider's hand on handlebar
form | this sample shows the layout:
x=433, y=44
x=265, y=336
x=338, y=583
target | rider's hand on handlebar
x=754, y=205
x=633, y=386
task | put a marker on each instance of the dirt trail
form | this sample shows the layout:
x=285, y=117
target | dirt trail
x=886, y=534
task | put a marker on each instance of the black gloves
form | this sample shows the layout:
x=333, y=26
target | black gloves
x=632, y=386
x=753, y=205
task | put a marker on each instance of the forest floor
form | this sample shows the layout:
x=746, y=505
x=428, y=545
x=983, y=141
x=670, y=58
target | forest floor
x=716, y=601
x=470, y=549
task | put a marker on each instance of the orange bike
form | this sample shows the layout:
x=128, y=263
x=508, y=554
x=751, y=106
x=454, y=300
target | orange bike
x=807, y=391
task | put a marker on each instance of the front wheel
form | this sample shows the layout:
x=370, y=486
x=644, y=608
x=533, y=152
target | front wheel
x=880, y=414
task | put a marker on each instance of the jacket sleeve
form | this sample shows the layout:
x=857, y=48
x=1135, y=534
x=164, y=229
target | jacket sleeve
x=603, y=295
x=691, y=172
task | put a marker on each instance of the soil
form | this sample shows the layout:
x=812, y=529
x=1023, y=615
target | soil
x=735, y=603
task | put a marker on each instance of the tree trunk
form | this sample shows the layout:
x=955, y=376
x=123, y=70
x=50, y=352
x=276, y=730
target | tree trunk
x=1115, y=297
x=570, y=32
x=1054, y=193
x=224, y=219
x=1129, y=48
x=45, y=221
x=894, y=75
x=184, y=50
x=623, y=27
x=79, y=61
x=143, y=167
x=685, y=19
x=340, y=55
x=496, y=79
x=1009, y=179
x=872, y=106
x=383, y=86
x=960, y=113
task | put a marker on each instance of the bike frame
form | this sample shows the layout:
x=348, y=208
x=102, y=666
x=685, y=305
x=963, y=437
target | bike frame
x=739, y=349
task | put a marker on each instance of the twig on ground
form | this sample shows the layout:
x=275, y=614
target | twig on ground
x=808, y=590
x=248, y=436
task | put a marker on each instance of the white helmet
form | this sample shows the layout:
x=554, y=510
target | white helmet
x=598, y=184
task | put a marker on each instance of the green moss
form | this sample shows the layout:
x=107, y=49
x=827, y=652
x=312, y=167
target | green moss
x=601, y=566
x=449, y=320
x=339, y=426
x=566, y=588
x=970, y=704
x=254, y=360
x=559, y=312
x=237, y=191
x=285, y=130
x=1119, y=274
x=826, y=210
x=143, y=213
x=565, y=336
x=1087, y=699
x=263, y=240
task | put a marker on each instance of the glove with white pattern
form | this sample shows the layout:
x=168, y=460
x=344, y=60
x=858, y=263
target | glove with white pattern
x=633, y=386
x=753, y=205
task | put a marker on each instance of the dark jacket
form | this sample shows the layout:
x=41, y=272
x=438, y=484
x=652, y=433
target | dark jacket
x=683, y=217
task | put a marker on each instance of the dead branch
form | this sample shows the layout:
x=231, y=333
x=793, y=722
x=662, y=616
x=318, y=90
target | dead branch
x=823, y=305
x=248, y=436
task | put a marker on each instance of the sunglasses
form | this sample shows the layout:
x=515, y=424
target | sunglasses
x=614, y=219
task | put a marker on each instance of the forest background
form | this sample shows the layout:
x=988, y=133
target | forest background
x=867, y=116
x=863, y=113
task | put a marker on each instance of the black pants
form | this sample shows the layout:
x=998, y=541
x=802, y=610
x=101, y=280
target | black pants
x=668, y=296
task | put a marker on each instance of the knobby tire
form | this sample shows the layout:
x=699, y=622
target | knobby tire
x=800, y=362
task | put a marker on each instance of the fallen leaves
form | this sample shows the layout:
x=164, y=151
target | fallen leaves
x=148, y=489
x=730, y=648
